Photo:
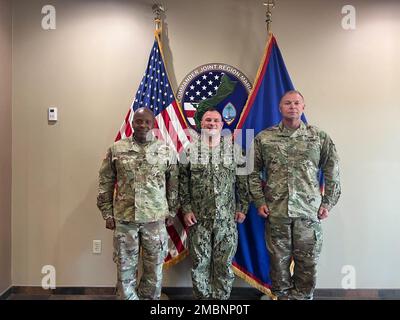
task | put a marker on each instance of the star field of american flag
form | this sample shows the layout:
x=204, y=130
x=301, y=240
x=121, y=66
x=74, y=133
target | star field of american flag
x=203, y=87
x=155, y=93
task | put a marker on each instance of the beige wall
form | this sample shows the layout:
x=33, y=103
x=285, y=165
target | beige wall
x=90, y=68
x=5, y=144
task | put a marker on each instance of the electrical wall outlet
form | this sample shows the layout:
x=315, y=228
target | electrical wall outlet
x=97, y=246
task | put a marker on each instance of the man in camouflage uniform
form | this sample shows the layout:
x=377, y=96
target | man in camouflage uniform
x=146, y=178
x=291, y=155
x=207, y=178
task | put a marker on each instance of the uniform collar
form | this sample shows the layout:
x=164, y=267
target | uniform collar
x=203, y=147
x=302, y=130
x=136, y=146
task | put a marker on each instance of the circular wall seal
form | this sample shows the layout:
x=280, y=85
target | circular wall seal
x=216, y=85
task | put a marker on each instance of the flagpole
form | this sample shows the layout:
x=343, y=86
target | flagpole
x=270, y=4
x=158, y=9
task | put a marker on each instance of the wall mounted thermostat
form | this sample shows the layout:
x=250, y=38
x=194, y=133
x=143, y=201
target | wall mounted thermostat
x=52, y=115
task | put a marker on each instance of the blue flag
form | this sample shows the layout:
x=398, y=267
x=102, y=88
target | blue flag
x=261, y=111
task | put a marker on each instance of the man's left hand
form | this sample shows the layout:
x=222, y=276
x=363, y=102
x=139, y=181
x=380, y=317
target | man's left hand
x=169, y=221
x=323, y=213
x=239, y=217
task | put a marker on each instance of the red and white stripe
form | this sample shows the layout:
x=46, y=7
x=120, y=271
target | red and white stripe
x=177, y=241
x=190, y=111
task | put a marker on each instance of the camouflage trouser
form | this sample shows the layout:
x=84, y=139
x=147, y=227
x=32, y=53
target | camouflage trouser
x=212, y=246
x=300, y=239
x=128, y=239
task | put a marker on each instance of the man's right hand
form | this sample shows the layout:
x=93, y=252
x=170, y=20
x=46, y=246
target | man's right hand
x=110, y=223
x=189, y=219
x=263, y=211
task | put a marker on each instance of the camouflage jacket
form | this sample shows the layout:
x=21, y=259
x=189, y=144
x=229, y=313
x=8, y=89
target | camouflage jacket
x=147, y=182
x=211, y=184
x=291, y=162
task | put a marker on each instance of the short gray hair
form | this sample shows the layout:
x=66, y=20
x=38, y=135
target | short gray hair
x=290, y=92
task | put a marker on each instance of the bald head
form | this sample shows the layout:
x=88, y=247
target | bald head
x=143, y=122
x=142, y=111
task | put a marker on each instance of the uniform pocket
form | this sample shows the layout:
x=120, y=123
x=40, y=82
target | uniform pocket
x=308, y=237
x=125, y=165
x=197, y=172
x=163, y=240
x=197, y=167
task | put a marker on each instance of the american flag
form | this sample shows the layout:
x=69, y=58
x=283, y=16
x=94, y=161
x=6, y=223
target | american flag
x=199, y=89
x=156, y=94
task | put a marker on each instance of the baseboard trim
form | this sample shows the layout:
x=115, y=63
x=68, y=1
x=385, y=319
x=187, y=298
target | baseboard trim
x=63, y=290
x=357, y=294
x=5, y=294
x=176, y=292
x=187, y=292
x=238, y=293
